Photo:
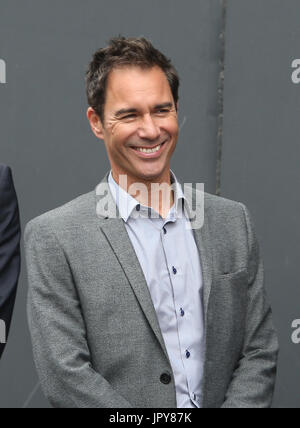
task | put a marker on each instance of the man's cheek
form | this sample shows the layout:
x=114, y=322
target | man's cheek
x=113, y=127
x=121, y=129
x=173, y=124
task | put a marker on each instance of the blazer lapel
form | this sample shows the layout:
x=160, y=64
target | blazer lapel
x=203, y=244
x=202, y=239
x=115, y=231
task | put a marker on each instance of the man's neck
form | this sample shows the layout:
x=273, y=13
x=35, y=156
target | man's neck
x=156, y=194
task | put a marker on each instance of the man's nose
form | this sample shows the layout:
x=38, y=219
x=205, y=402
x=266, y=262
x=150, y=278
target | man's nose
x=148, y=129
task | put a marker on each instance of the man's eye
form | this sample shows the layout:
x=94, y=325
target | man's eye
x=163, y=111
x=129, y=116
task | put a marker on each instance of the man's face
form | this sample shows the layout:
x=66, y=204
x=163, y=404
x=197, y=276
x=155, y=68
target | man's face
x=139, y=112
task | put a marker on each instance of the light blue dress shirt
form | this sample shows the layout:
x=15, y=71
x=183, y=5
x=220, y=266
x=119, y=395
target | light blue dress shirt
x=169, y=258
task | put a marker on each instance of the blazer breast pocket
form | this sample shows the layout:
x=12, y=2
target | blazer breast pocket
x=228, y=308
x=232, y=289
x=234, y=275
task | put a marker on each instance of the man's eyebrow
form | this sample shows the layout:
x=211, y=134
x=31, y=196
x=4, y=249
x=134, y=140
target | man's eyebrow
x=164, y=105
x=123, y=111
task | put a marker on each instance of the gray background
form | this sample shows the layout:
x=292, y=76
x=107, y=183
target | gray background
x=261, y=153
x=46, y=139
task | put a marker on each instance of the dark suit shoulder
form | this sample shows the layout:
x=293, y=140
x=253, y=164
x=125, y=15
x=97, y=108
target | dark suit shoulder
x=3, y=167
x=8, y=198
x=5, y=175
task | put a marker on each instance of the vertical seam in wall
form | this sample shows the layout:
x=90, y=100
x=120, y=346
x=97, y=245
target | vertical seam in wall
x=223, y=4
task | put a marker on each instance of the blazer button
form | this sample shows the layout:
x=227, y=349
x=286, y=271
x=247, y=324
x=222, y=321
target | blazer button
x=165, y=378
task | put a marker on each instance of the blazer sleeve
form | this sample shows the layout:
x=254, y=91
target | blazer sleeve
x=57, y=328
x=253, y=381
x=10, y=233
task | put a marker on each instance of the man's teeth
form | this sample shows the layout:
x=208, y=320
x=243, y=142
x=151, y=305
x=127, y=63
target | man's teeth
x=156, y=149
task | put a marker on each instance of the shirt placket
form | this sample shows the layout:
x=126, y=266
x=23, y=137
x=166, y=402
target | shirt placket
x=181, y=307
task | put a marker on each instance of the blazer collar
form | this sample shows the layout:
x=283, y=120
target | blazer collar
x=126, y=203
x=108, y=206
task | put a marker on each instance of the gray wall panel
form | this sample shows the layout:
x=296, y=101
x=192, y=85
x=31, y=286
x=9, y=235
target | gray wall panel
x=261, y=154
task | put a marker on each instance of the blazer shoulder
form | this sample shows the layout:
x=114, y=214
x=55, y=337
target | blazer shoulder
x=216, y=201
x=5, y=172
x=8, y=197
x=74, y=212
x=212, y=201
x=4, y=167
x=219, y=208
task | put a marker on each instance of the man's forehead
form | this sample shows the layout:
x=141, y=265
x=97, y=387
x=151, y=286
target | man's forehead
x=135, y=89
x=127, y=81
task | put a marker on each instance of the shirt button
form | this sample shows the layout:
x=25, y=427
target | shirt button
x=181, y=312
x=138, y=207
x=174, y=270
x=187, y=353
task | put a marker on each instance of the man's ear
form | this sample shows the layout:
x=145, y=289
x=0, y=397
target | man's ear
x=177, y=105
x=95, y=123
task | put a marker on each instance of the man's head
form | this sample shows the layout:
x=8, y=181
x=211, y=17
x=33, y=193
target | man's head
x=132, y=90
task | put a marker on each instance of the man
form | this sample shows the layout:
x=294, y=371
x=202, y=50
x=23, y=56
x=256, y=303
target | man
x=9, y=251
x=129, y=305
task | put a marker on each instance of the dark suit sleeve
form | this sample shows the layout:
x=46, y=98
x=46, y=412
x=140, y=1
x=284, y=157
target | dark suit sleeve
x=253, y=381
x=9, y=248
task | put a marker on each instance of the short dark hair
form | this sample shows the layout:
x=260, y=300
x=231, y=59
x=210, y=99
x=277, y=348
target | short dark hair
x=122, y=52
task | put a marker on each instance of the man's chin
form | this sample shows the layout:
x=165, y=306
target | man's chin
x=149, y=175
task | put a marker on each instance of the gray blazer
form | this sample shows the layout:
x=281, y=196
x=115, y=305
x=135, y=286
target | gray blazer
x=95, y=334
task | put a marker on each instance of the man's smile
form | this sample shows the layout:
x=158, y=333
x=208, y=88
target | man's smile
x=151, y=153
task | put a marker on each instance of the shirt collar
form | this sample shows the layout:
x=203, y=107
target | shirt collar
x=126, y=203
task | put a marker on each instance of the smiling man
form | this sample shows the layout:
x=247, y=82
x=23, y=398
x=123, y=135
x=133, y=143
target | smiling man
x=131, y=306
